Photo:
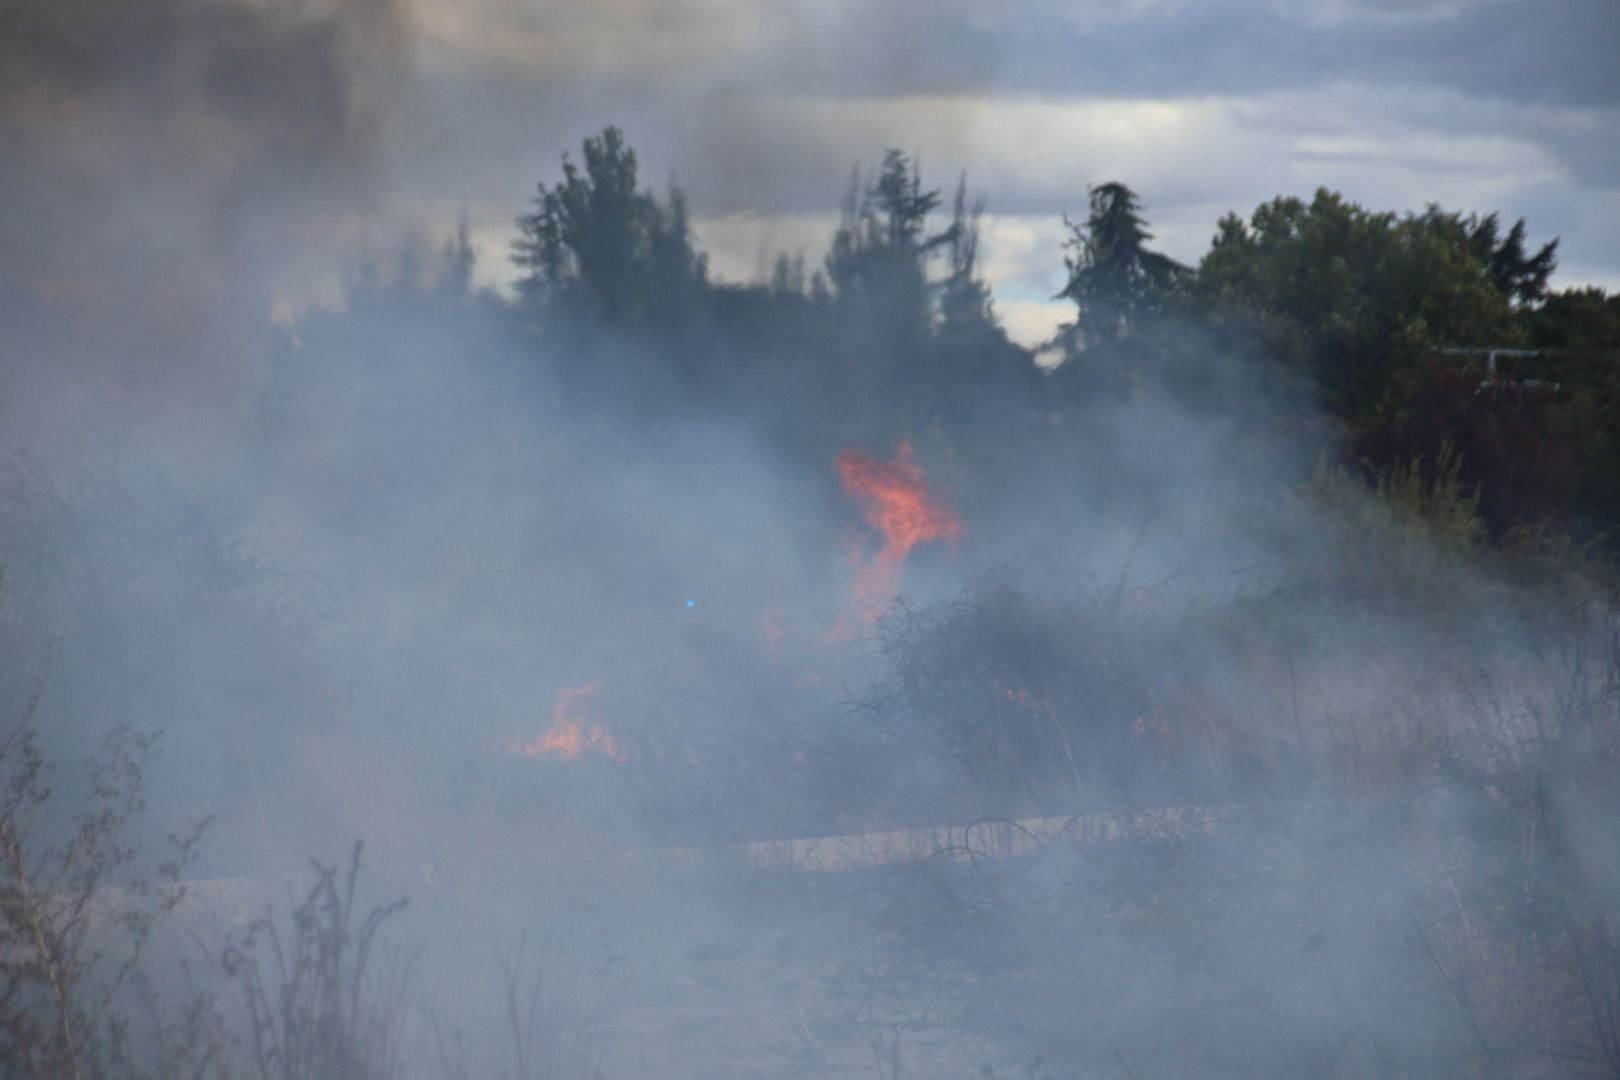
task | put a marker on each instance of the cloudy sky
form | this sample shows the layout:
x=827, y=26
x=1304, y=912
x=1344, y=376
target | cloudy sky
x=346, y=122
x=759, y=109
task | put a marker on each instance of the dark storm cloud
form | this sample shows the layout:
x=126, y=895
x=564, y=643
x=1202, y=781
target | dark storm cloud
x=1560, y=52
x=177, y=136
x=1557, y=52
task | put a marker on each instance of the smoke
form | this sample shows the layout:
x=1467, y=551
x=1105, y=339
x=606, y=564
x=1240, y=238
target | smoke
x=169, y=160
x=541, y=611
x=428, y=543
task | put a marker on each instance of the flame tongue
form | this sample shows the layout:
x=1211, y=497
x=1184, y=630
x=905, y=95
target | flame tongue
x=575, y=727
x=895, y=502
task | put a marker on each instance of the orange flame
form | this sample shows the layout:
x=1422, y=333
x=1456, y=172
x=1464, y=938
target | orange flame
x=894, y=501
x=574, y=729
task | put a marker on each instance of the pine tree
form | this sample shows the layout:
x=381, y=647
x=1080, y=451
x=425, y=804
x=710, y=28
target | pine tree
x=1113, y=278
x=596, y=245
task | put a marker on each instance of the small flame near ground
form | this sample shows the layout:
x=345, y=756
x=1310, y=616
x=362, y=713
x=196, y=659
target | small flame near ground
x=576, y=728
x=895, y=502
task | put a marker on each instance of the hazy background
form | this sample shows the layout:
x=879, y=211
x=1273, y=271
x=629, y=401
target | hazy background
x=353, y=523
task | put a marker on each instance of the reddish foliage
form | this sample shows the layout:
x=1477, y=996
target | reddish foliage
x=1519, y=448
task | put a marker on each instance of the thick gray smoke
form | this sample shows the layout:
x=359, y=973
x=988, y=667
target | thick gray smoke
x=166, y=161
x=1186, y=755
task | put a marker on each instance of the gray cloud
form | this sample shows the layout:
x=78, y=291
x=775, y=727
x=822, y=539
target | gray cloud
x=763, y=108
x=1557, y=52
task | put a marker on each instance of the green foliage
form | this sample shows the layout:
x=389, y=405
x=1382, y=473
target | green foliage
x=1401, y=534
x=596, y=245
x=1580, y=329
x=1350, y=296
x=1520, y=277
x=1433, y=497
x=895, y=335
x=1579, y=319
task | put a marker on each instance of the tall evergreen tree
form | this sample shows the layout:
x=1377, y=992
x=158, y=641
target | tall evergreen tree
x=877, y=263
x=971, y=349
x=1517, y=275
x=1113, y=278
x=964, y=302
x=597, y=245
x=1521, y=277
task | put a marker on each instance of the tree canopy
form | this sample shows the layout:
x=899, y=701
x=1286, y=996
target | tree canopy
x=896, y=332
x=596, y=244
x=1350, y=296
x=877, y=262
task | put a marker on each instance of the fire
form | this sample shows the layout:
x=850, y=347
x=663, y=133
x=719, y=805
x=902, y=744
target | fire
x=773, y=629
x=894, y=501
x=575, y=728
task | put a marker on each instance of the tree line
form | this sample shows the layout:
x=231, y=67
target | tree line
x=1343, y=309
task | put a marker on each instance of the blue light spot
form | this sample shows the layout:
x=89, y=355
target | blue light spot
x=691, y=603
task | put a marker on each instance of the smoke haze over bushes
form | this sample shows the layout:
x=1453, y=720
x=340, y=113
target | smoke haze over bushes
x=1242, y=547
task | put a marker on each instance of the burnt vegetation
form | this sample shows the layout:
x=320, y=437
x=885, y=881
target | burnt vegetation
x=1269, y=701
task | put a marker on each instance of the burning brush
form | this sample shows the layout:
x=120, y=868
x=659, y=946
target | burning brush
x=895, y=502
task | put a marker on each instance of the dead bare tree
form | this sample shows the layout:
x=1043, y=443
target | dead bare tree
x=313, y=1007
x=74, y=920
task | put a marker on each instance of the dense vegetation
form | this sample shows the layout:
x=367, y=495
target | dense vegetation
x=1371, y=312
